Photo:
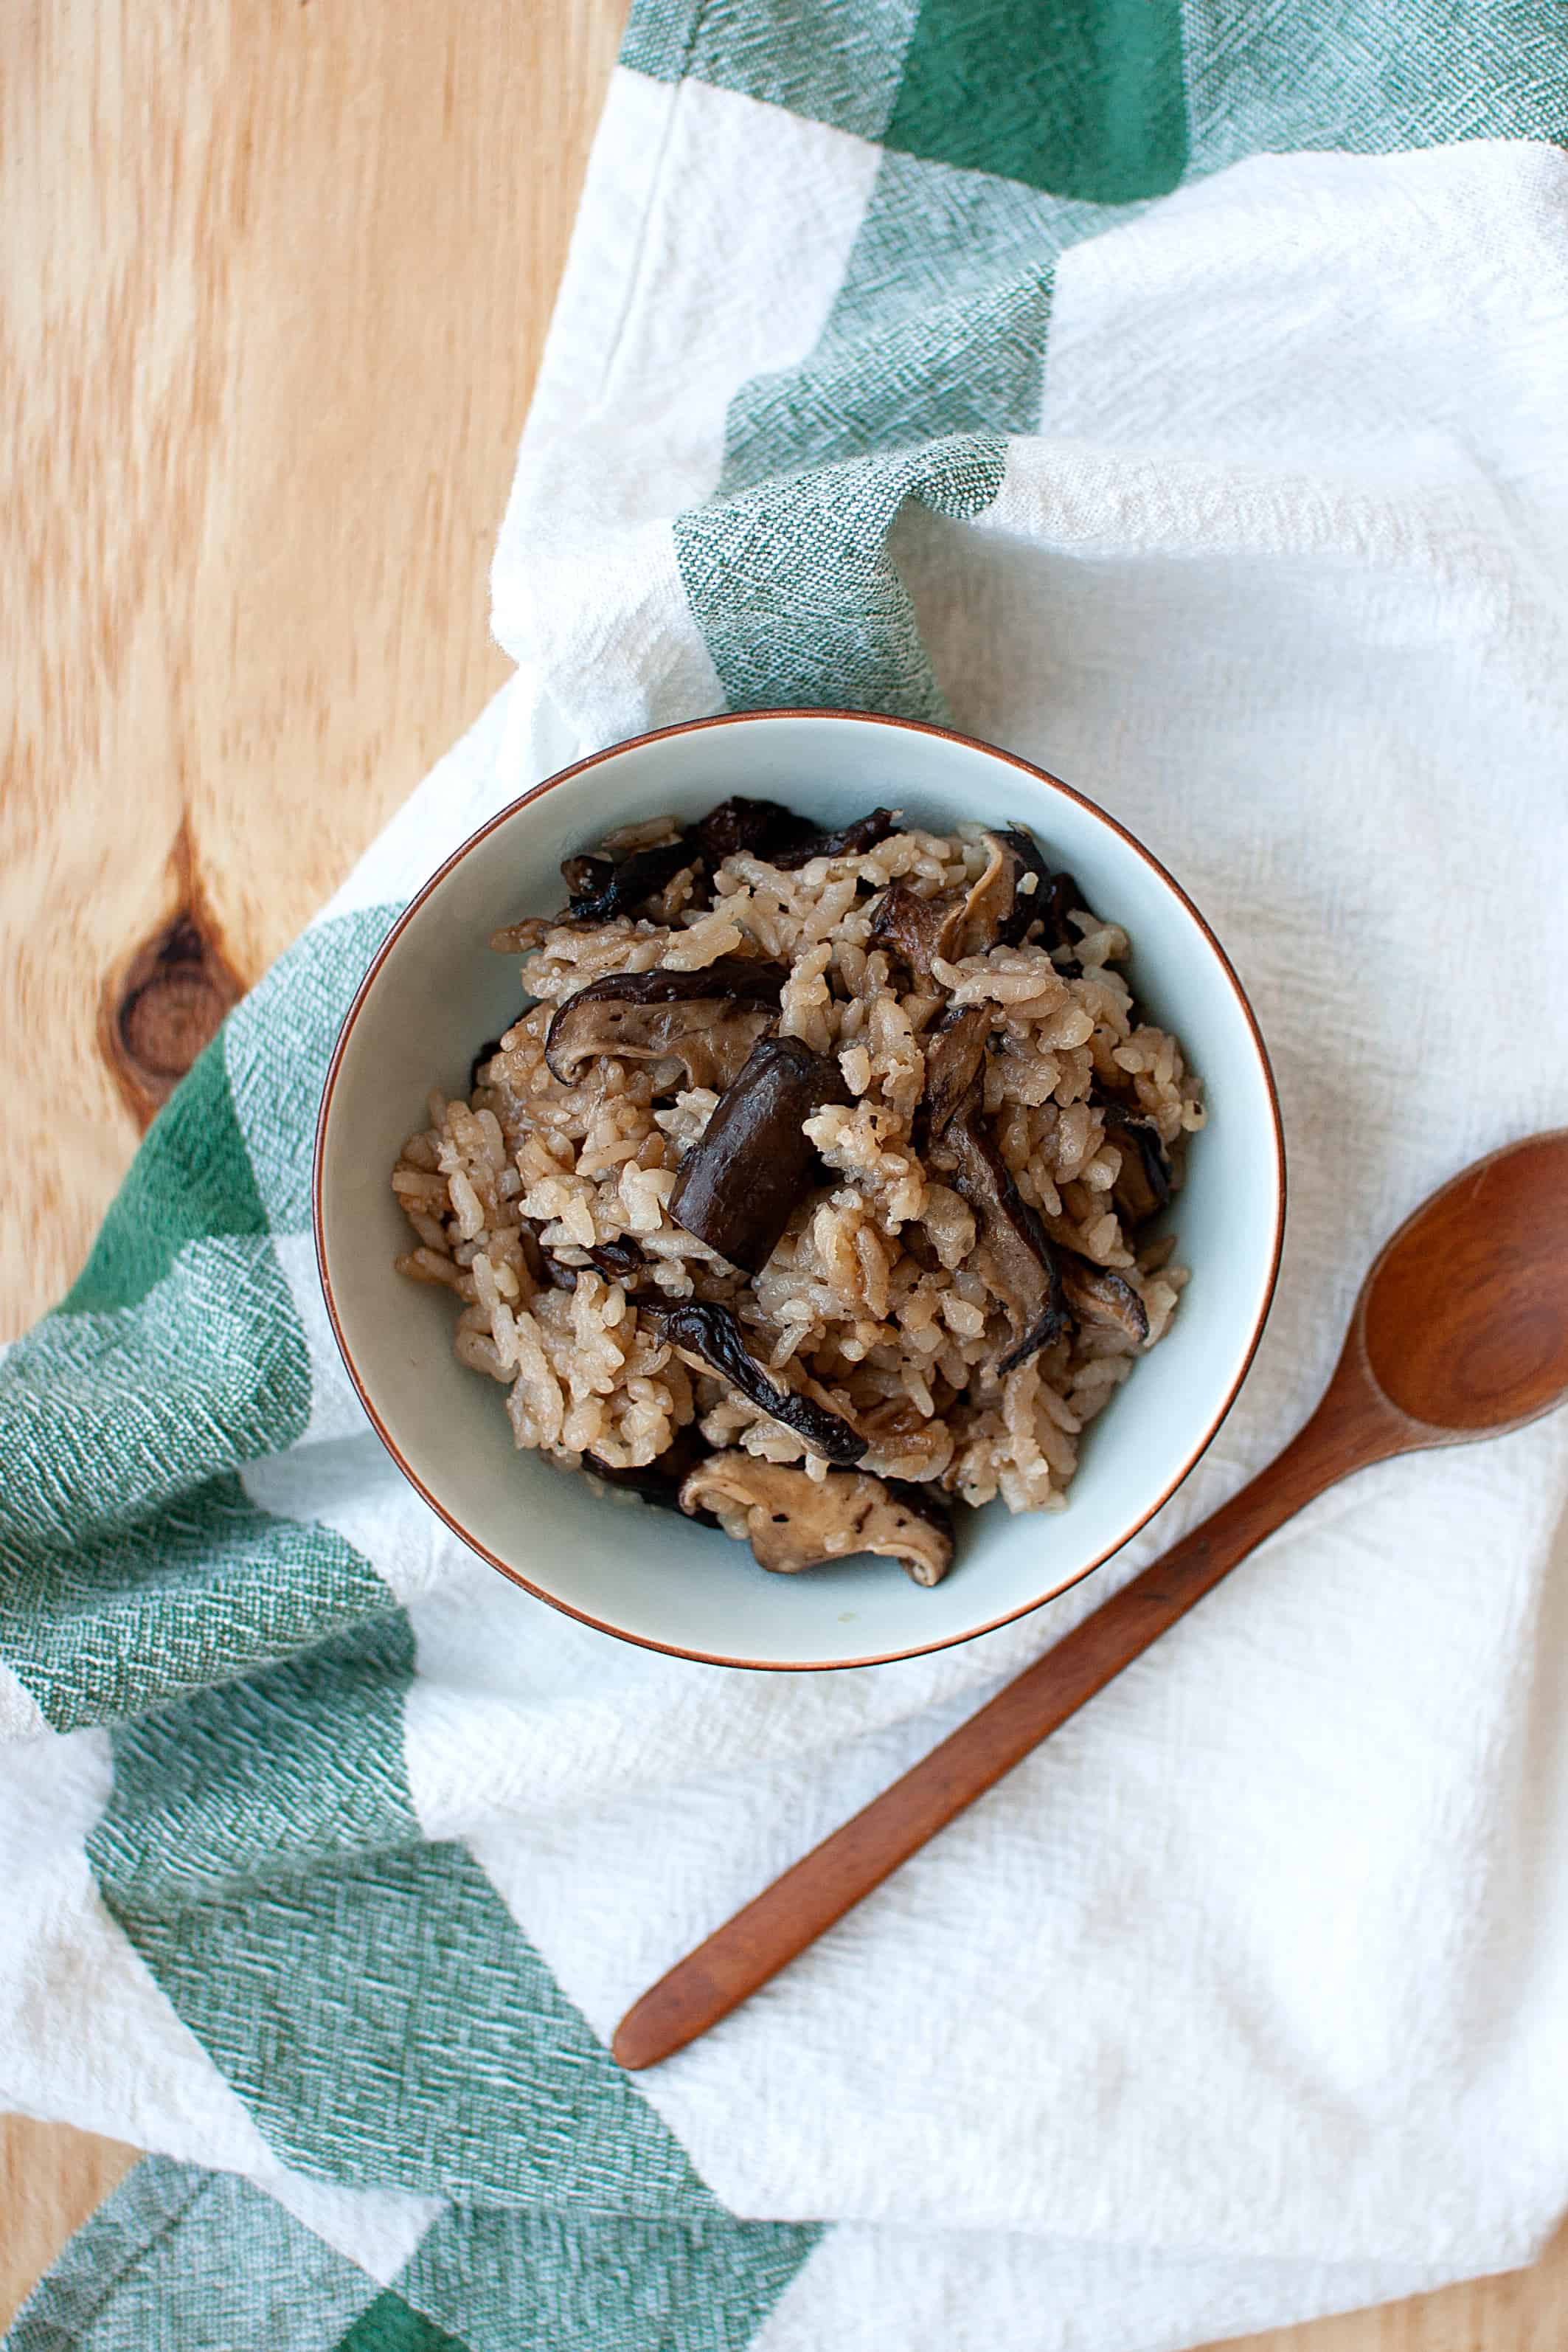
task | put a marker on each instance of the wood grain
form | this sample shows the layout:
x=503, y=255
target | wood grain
x=276, y=284
x=277, y=280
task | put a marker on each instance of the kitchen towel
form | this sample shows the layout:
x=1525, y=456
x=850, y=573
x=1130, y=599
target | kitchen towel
x=1174, y=391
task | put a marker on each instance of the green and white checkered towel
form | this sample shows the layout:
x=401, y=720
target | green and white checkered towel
x=1176, y=391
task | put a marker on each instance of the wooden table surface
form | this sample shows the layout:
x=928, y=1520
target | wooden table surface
x=277, y=279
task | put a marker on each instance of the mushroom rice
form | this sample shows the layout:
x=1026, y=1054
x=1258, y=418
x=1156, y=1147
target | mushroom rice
x=807, y=1193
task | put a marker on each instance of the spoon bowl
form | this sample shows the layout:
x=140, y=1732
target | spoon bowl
x=1464, y=1317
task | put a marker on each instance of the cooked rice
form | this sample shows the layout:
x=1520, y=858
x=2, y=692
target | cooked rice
x=877, y=1302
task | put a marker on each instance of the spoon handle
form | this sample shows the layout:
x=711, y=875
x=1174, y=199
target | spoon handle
x=818, y=1890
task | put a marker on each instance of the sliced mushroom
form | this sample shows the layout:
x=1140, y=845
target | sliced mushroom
x=1143, y=1187
x=1062, y=896
x=765, y=829
x=988, y=906
x=739, y=1185
x=708, y=1021
x=918, y=930
x=1027, y=901
x=1097, y=1294
x=1044, y=901
x=706, y=1329
x=954, y=1053
x=794, y=1521
x=1025, y=1266
x=740, y=827
x=601, y=890
x=1021, y=906
x=1057, y=899
x=1017, y=897
x=585, y=877
x=850, y=841
x=659, y=1482
x=957, y=922
x=617, y=1261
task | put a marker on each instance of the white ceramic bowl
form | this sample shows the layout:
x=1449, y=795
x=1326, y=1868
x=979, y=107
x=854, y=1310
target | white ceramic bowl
x=436, y=989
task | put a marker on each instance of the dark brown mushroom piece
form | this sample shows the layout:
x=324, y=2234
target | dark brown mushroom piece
x=659, y=1482
x=740, y=828
x=739, y=1185
x=1095, y=1293
x=1058, y=898
x=1018, y=897
x=600, y=889
x=705, y=1329
x=989, y=902
x=915, y=929
x=958, y=922
x=1045, y=900
x=586, y=877
x=708, y=1021
x=1038, y=901
x=1061, y=897
x=1026, y=860
x=955, y=1050
x=617, y=1261
x=850, y=841
x=792, y=1520
x=1025, y=1266
x=767, y=830
x=1143, y=1186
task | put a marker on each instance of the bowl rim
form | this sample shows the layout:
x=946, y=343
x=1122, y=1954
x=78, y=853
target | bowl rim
x=743, y=719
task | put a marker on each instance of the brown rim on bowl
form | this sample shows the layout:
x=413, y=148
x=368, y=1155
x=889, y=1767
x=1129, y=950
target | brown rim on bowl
x=743, y=719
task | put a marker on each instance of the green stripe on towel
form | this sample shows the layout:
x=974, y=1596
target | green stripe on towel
x=1119, y=99
x=369, y=1999
x=136, y=1612
x=392, y=2326
x=190, y=1182
x=1084, y=97
x=180, y=2260
x=569, y=2282
x=797, y=595
x=833, y=61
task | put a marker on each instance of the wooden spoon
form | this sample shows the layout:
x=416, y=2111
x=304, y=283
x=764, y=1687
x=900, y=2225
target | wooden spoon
x=1460, y=1331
